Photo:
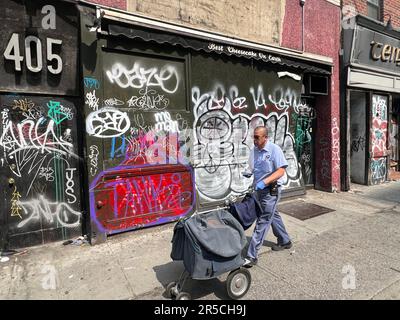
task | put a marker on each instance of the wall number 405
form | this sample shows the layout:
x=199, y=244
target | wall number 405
x=13, y=53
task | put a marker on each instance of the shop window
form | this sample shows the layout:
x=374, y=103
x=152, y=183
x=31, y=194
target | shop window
x=374, y=9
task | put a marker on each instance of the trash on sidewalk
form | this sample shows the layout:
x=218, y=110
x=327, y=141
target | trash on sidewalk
x=8, y=253
x=4, y=259
x=78, y=241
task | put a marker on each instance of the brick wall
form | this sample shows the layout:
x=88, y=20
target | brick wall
x=391, y=7
x=321, y=36
x=118, y=4
x=256, y=20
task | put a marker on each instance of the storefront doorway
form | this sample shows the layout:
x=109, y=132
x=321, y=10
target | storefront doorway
x=369, y=137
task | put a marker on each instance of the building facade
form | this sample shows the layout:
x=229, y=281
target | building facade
x=370, y=92
x=123, y=115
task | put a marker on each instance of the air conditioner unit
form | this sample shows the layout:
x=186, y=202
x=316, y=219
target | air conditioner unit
x=318, y=85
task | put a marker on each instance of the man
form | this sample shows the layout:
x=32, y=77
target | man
x=268, y=164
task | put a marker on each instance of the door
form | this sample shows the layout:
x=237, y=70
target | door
x=304, y=139
x=358, y=136
x=39, y=168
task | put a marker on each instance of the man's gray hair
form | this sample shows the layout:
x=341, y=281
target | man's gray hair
x=264, y=129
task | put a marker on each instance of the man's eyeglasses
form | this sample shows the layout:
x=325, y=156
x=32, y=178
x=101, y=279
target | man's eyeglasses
x=258, y=137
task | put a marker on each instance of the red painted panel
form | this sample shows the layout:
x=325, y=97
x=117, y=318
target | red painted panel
x=128, y=198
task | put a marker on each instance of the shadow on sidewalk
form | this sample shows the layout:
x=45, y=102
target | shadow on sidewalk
x=172, y=271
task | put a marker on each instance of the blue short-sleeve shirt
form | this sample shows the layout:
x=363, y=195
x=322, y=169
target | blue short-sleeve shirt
x=266, y=161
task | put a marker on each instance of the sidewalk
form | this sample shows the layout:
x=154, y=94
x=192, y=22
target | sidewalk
x=350, y=253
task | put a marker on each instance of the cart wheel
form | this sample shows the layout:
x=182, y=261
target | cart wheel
x=170, y=290
x=183, y=296
x=238, y=283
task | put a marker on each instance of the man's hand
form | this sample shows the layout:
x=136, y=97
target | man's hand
x=260, y=185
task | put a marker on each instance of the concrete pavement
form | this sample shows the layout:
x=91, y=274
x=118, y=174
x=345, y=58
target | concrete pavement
x=350, y=253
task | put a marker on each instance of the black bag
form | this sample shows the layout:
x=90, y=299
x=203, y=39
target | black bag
x=247, y=211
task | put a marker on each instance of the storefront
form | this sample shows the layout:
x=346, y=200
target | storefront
x=371, y=72
x=113, y=122
x=170, y=114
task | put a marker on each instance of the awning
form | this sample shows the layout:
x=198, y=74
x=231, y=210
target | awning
x=209, y=44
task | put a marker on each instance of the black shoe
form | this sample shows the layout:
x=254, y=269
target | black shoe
x=279, y=247
x=249, y=262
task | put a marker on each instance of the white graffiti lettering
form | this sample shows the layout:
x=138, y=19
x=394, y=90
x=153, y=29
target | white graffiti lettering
x=165, y=123
x=70, y=185
x=92, y=101
x=52, y=212
x=166, y=78
x=107, y=123
x=27, y=136
x=93, y=156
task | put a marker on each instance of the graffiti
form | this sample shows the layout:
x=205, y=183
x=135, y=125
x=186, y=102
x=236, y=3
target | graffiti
x=52, y=212
x=15, y=208
x=34, y=113
x=379, y=126
x=91, y=83
x=93, y=156
x=223, y=142
x=182, y=123
x=92, y=101
x=148, y=100
x=27, y=136
x=130, y=203
x=358, y=144
x=47, y=173
x=67, y=135
x=120, y=151
x=166, y=78
x=325, y=175
x=69, y=190
x=113, y=102
x=303, y=133
x=303, y=143
x=378, y=170
x=284, y=99
x=4, y=116
x=165, y=123
x=23, y=104
x=259, y=101
x=55, y=112
x=335, y=145
x=107, y=123
x=237, y=101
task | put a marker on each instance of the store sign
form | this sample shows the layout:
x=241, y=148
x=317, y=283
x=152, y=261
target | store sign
x=385, y=52
x=374, y=49
x=242, y=52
